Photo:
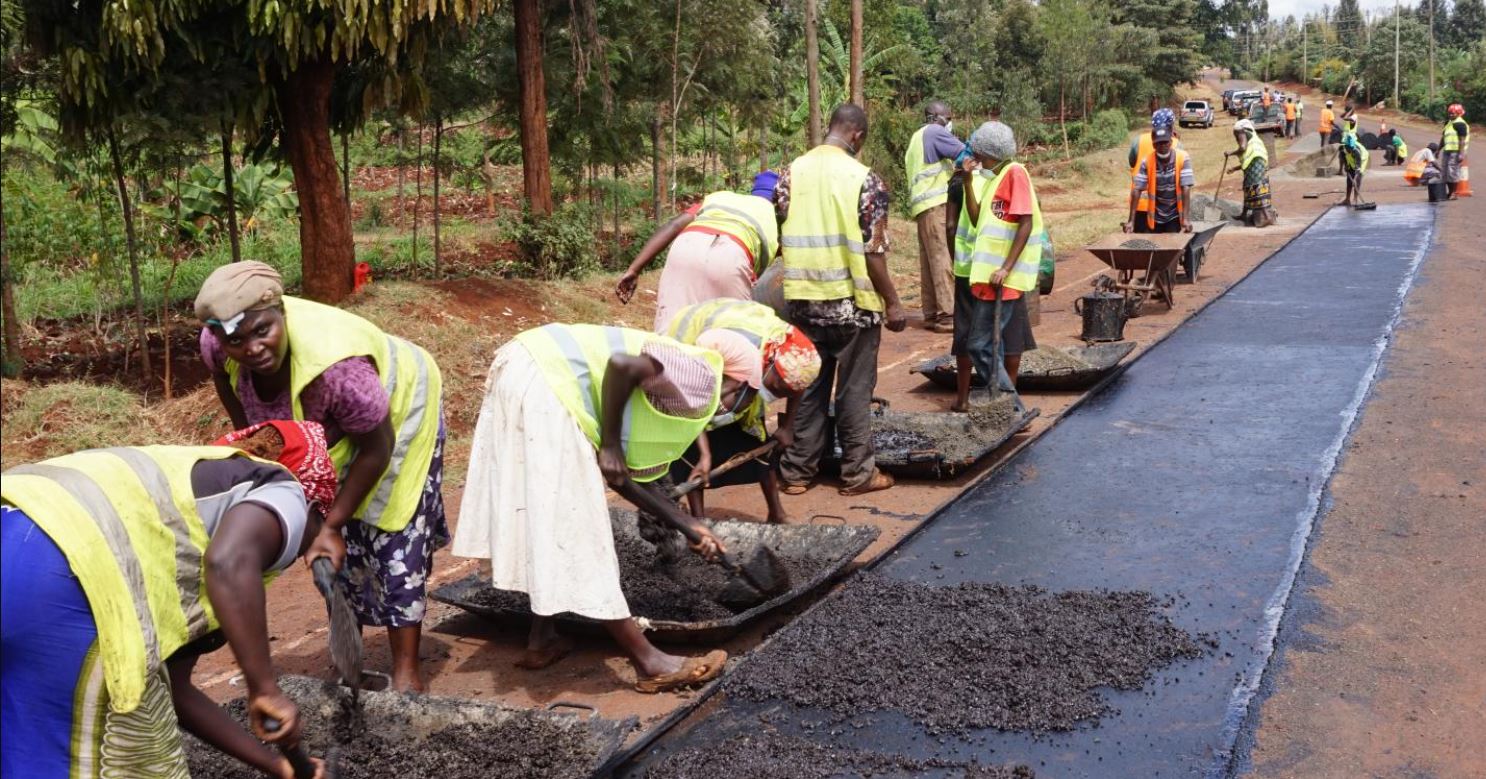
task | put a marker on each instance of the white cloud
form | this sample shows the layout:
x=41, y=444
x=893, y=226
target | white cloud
x=1279, y=9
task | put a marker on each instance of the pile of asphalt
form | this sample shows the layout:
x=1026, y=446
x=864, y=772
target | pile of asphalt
x=777, y=756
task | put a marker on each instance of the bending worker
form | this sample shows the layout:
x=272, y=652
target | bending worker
x=1455, y=141
x=1163, y=180
x=718, y=249
x=833, y=212
x=379, y=398
x=589, y=406
x=930, y=163
x=997, y=255
x=120, y=568
x=784, y=364
x=1254, y=162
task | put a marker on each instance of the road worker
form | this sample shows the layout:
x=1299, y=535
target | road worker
x=1455, y=142
x=930, y=160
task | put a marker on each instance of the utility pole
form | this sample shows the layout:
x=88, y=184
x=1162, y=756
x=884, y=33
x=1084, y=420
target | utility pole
x=1431, y=52
x=858, y=84
x=1395, y=51
x=1305, y=52
x=812, y=73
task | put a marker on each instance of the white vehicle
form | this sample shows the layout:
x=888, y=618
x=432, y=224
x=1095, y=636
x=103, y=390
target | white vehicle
x=1196, y=112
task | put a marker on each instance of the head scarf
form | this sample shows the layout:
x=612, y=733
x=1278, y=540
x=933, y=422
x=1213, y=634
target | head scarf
x=1456, y=109
x=1328, y=103
x=794, y=357
x=764, y=185
x=740, y=358
x=1244, y=124
x=1163, y=117
x=994, y=140
x=234, y=289
x=304, y=453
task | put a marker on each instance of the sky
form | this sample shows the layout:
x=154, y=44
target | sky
x=1279, y=9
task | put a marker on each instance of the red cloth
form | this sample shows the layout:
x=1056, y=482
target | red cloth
x=305, y=454
x=794, y=357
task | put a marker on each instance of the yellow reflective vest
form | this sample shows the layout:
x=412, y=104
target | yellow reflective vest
x=574, y=358
x=321, y=336
x=1453, y=141
x=126, y=520
x=748, y=218
x=1253, y=150
x=821, y=241
x=928, y=182
x=754, y=321
x=982, y=249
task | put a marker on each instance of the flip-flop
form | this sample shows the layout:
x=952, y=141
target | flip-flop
x=695, y=670
x=879, y=481
x=546, y=657
x=795, y=489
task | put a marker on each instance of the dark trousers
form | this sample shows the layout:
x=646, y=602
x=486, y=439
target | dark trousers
x=1174, y=226
x=848, y=373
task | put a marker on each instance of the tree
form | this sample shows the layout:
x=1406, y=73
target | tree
x=1467, y=24
x=812, y=72
x=1174, y=58
x=296, y=50
x=536, y=166
x=858, y=85
x=1350, y=27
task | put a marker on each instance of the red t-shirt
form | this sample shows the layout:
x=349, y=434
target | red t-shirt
x=1012, y=199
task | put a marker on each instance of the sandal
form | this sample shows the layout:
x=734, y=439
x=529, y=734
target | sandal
x=550, y=655
x=879, y=481
x=789, y=488
x=695, y=670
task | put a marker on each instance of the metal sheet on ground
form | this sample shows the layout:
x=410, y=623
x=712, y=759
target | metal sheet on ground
x=1197, y=474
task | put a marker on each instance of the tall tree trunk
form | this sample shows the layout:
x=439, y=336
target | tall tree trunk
x=1063, y=120
x=417, y=195
x=858, y=85
x=655, y=174
x=438, y=137
x=763, y=144
x=327, y=248
x=227, y=184
x=402, y=168
x=812, y=79
x=12, y=357
x=536, y=166
x=616, y=210
x=346, y=169
x=128, y=211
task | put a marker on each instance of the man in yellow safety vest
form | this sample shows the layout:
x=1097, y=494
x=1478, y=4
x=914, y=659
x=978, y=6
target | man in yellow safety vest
x=833, y=214
x=932, y=154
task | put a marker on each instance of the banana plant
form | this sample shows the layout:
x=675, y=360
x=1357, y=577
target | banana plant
x=260, y=192
x=32, y=132
x=835, y=81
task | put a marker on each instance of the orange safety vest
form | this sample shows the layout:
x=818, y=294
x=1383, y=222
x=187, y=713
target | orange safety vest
x=1290, y=112
x=1147, y=148
x=1267, y=100
x=1327, y=118
x=1150, y=185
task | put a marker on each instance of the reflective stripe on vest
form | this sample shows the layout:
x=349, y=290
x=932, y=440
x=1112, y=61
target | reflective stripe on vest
x=928, y=183
x=321, y=336
x=1150, y=193
x=1253, y=150
x=748, y=218
x=1452, y=140
x=1147, y=148
x=574, y=359
x=823, y=249
x=994, y=237
x=126, y=520
x=754, y=321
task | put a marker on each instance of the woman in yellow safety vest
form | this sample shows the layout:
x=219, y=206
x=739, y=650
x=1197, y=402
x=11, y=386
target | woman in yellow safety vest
x=1354, y=158
x=567, y=410
x=718, y=249
x=120, y=568
x=1253, y=160
x=379, y=397
x=781, y=361
x=1455, y=141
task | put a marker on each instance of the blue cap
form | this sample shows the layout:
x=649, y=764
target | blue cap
x=764, y=184
x=1161, y=132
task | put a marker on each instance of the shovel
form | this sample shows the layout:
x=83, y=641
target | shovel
x=345, y=630
x=1314, y=195
x=683, y=489
x=304, y=768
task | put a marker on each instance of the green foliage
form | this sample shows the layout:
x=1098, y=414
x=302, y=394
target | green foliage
x=1110, y=127
x=33, y=132
x=559, y=246
x=261, y=192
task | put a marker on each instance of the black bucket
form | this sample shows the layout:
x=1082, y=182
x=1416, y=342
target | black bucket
x=1438, y=191
x=1104, y=316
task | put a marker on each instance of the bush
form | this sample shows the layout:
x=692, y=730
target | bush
x=559, y=246
x=1110, y=127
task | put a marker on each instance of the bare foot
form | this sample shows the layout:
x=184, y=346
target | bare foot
x=537, y=658
x=778, y=518
x=408, y=680
x=960, y=407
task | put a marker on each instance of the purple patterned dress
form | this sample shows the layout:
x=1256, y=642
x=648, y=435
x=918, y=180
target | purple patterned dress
x=386, y=574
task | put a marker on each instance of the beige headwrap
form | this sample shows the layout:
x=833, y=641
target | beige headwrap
x=237, y=288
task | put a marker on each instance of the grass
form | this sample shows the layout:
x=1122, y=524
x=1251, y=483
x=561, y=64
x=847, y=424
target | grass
x=54, y=419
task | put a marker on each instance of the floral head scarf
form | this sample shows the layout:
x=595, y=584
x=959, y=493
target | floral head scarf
x=300, y=447
x=794, y=358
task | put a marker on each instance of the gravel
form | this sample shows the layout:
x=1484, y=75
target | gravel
x=777, y=756
x=968, y=656
x=1049, y=359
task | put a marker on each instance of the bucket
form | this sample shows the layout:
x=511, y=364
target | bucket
x=1103, y=315
x=363, y=276
x=1438, y=191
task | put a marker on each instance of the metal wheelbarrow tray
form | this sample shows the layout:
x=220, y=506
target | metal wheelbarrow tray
x=1196, y=254
x=1103, y=359
x=396, y=734
x=1152, y=256
x=814, y=554
x=929, y=444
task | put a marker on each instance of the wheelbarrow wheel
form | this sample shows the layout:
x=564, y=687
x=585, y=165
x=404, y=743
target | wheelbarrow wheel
x=1133, y=304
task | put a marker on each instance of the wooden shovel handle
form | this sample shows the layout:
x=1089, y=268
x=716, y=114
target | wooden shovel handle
x=736, y=460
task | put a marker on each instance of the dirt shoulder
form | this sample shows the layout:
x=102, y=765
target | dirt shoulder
x=1384, y=671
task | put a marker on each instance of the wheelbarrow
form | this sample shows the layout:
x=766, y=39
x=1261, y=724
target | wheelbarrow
x=1196, y=254
x=815, y=554
x=394, y=734
x=1153, y=255
x=931, y=444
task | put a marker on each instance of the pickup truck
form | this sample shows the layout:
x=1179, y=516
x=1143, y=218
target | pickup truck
x=1196, y=112
x=1270, y=120
x=1239, y=104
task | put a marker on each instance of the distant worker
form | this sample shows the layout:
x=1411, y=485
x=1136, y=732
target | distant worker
x=1299, y=114
x=121, y=567
x=1454, y=145
x=1354, y=158
x=1290, y=122
x=998, y=254
x=786, y=363
x=1266, y=99
x=1254, y=162
x=929, y=162
x=718, y=249
x=1395, y=150
x=1328, y=119
x=569, y=409
x=1164, y=178
x=834, y=240
x=380, y=400
x=1423, y=160
x=1142, y=145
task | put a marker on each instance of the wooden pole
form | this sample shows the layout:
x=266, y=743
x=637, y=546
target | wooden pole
x=812, y=73
x=858, y=88
x=536, y=165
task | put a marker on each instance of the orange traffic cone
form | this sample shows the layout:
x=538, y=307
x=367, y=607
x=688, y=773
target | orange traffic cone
x=1463, y=189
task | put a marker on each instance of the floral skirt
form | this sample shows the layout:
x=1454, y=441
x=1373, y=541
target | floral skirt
x=386, y=574
x=1256, y=195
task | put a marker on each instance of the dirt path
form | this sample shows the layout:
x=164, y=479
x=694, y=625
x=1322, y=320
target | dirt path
x=1384, y=673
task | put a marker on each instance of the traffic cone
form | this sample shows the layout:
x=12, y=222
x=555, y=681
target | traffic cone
x=1463, y=189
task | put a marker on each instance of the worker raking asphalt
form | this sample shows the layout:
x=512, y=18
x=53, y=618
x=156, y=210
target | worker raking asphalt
x=1196, y=478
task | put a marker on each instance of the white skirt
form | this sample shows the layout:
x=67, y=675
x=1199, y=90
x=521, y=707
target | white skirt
x=534, y=500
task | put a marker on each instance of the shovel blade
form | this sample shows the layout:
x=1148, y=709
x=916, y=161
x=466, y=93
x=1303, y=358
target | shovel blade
x=759, y=577
x=345, y=629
